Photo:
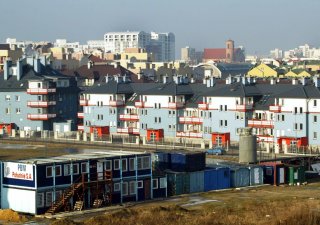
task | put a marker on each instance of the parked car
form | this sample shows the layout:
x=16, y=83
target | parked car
x=216, y=151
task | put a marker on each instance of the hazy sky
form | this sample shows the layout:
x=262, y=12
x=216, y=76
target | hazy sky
x=257, y=25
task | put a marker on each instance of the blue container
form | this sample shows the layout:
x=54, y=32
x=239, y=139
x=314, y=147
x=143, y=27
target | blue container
x=162, y=160
x=196, y=181
x=240, y=176
x=216, y=178
x=188, y=161
x=274, y=174
x=178, y=183
x=161, y=190
x=256, y=175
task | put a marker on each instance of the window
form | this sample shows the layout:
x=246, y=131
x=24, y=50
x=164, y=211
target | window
x=131, y=164
x=7, y=110
x=226, y=123
x=132, y=187
x=116, y=187
x=163, y=182
x=67, y=170
x=314, y=103
x=140, y=184
x=75, y=169
x=298, y=126
x=48, y=198
x=7, y=97
x=124, y=165
x=108, y=165
x=124, y=188
x=159, y=119
x=49, y=171
x=301, y=110
x=143, y=163
x=315, y=118
x=17, y=98
x=58, y=171
x=40, y=200
x=18, y=110
x=269, y=172
x=154, y=183
x=315, y=135
x=84, y=167
x=116, y=164
x=155, y=119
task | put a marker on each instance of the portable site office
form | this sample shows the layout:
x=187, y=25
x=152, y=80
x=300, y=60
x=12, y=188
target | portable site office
x=41, y=185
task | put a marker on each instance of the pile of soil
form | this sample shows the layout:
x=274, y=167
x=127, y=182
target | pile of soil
x=9, y=215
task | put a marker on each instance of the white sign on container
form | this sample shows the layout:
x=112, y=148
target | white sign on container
x=19, y=171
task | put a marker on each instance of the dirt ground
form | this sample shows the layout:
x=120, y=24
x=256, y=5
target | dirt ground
x=266, y=205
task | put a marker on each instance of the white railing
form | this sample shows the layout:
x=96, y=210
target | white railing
x=117, y=103
x=41, y=90
x=190, y=120
x=261, y=123
x=41, y=116
x=40, y=103
x=129, y=117
x=189, y=134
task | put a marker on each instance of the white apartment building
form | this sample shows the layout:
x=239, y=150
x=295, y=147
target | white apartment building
x=162, y=45
x=94, y=44
x=276, y=53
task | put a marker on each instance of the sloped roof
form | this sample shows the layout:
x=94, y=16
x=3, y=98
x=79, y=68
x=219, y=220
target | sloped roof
x=214, y=53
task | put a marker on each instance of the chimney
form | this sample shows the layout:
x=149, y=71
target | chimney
x=244, y=80
x=7, y=65
x=192, y=80
x=316, y=81
x=272, y=81
x=229, y=79
x=90, y=64
x=303, y=81
x=165, y=79
x=37, y=65
x=205, y=80
x=108, y=78
x=19, y=69
x=294, y=81
x=118, y=79
x=186, y=79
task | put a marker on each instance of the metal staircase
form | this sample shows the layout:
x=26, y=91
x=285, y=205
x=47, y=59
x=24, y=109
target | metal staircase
x=97, y=182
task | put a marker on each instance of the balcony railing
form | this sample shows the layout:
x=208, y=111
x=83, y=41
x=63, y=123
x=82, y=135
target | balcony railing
x=265, y=138
x=190, y=120
x=40, y=116
x=203, y=106
x=83, y=102
x=129, y=117
x=275, y=108
x=40, y=104
x=80, y=127
x=139, y=104
x=128, y=130
x=117, y=103
x=175, y=105
x=80, y=115
x=244, y=108
x=261, y=123
x=41, y=91
x=189, y=134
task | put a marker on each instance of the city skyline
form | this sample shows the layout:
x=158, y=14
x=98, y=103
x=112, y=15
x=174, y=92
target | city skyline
x=257, y=26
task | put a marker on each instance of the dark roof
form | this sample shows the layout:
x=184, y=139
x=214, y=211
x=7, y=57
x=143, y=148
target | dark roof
x=112, y=87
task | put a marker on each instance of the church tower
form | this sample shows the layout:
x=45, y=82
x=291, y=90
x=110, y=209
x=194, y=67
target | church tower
x=229, y=51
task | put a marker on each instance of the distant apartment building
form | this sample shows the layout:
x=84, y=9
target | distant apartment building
x=276, y=54
x=188, y=54
x=229, y=54
x=161, y=45
x=94, y=44
x=8, y=51
x=63, y=43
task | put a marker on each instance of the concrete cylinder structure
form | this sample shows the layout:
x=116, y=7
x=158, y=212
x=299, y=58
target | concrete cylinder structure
x=247, y=146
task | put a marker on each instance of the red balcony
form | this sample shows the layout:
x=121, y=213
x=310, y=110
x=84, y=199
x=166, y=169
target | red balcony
x=40, y=116
x=139, y=104
x=41, y=91
x=203, y=106
x=261, y=123
x=275, y=108
x=80, y=127
x=40, y=104
x=244, y=108
x=128, y=130
x=129, y=117
x=190, y=120
x=189, y=134
x=117, y=103
x=84, y=102
x=175, y=105
x=80, y=115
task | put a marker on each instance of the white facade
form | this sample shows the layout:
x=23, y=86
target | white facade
x=92, y=44
x=276, y=53
x=161, y=44
x=117, y=42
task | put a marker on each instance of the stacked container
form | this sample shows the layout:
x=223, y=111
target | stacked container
x=216, y=178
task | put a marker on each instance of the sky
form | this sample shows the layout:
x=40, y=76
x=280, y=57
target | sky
x=257, y=25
